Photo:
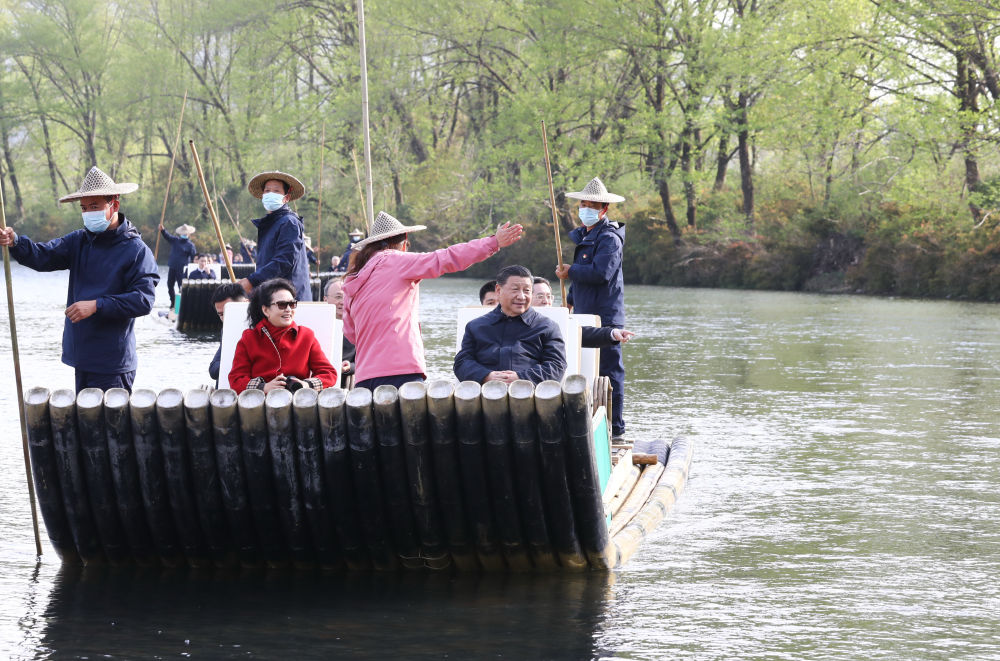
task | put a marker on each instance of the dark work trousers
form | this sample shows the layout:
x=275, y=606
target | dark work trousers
x=613, y=367
x=104, y=381
x=174, y=277
x=395, y=380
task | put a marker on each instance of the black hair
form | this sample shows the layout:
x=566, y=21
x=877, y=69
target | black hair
x=539, y=280
x=262, y=294
x=514, y=271
x=227, y=291
x=486, y=289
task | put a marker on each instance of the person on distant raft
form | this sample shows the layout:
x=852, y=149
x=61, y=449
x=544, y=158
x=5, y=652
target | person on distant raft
x=203, y=272
x=281, y=248
x=112, y=280
x=596, y=282
x=355, y=236
x=382, y=296
x=592, y=337
x=512, y=341
x=182, y=251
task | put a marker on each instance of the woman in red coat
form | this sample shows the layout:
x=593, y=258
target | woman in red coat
x=275, y=352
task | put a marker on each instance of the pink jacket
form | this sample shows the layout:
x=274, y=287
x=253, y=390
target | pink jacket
x=382, y=305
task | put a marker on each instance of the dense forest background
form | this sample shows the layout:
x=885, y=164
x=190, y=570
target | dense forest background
x=838, y=145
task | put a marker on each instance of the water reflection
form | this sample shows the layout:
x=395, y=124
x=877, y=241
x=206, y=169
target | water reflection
x=134, y=612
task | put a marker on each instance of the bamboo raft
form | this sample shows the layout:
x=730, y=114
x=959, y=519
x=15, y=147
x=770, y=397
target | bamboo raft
x=432, y=475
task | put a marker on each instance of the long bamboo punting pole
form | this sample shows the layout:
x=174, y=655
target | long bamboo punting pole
x=555, y=215
x=369, y=210
x=17, y=378
x=361, y=192
x=211, y=211
x=319, y=204
x=170, y=173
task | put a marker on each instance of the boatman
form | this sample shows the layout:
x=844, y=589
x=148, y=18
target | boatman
x=182, y=251
x=345, y=259
x=112, y=280
x=281, y=248
x=596, y=285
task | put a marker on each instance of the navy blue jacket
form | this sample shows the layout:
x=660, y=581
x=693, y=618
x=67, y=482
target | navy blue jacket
x=529, y=344
x=116, y=269
x=198, y=274
x=596, y=273
x=595, y=337
x=182, y=251
x=281, y=252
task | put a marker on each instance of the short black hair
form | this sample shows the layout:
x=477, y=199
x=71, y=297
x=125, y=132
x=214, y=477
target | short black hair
x=513, y=271
x=261, y=296
x=486, y=289
x=539, y=280
x=227, y=291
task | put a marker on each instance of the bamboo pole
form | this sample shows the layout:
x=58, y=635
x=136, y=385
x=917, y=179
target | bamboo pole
x=370, y=212
x=170, y=174
x=555, y=215
x=361, y=192
x=319, y=204
x=211, y=211
x=222, y=198
x=17, y=378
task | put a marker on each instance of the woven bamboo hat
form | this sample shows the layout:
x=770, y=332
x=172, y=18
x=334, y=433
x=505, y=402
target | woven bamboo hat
x=97, y=183
x=596, y=191
x=295, y=187
x=384, y=227
x=356, y=233
x=184, y=229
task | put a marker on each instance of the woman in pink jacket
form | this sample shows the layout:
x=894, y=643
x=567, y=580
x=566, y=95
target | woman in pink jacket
x=382, y=297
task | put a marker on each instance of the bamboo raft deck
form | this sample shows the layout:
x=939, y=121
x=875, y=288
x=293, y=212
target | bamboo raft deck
x=432, y=475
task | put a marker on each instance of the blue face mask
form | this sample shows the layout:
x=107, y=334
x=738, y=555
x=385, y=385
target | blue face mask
x=588, y=216
x=183, y=236
x=272, y=201
x=95, y=221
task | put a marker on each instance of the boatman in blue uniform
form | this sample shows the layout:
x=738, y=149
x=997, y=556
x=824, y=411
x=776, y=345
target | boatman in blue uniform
x=112, y=280
x=182, y=251
x=596, y=285
x=281, y=248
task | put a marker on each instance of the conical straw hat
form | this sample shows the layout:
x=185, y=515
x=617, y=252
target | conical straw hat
x=596, y=191
x=384, y=227
x=96, y=184
x=185, y=229
x=295, y=187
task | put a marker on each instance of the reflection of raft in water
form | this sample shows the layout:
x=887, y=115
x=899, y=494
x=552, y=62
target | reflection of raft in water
x=431, y=475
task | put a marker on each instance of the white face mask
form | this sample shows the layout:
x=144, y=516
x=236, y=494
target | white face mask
x=588, y=216
x=95, y=221
x=272, y=201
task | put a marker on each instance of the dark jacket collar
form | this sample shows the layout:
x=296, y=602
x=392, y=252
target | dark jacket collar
x=274, y=215
x=124, y=232
x=528, y=318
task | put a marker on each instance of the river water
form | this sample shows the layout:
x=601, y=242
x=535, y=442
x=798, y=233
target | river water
x=843, y=504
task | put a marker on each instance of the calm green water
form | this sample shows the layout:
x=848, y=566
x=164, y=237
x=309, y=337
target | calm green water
x=843, y=504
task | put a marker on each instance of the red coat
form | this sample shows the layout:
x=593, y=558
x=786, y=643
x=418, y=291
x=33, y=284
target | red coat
x=265, y=351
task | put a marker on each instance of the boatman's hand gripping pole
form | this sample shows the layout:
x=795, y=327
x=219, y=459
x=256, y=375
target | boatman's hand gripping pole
x=17, y=378
x=555, y=215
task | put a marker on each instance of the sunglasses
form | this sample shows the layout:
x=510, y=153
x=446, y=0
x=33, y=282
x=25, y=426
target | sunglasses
x=284, y=305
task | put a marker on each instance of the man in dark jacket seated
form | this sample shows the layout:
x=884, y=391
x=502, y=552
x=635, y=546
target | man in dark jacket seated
x=224, y=293
x=512, y=341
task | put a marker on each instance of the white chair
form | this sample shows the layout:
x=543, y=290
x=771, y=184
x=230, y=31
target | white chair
x=320, y=317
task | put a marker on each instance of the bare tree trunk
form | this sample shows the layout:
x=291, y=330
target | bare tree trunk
x=663, y=186
x=721, y=163
x=743, y=149
x=10, y=172
x=688, y=178
x=967, y=90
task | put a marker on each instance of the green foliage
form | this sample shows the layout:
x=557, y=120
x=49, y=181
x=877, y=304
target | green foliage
x=871, y=130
